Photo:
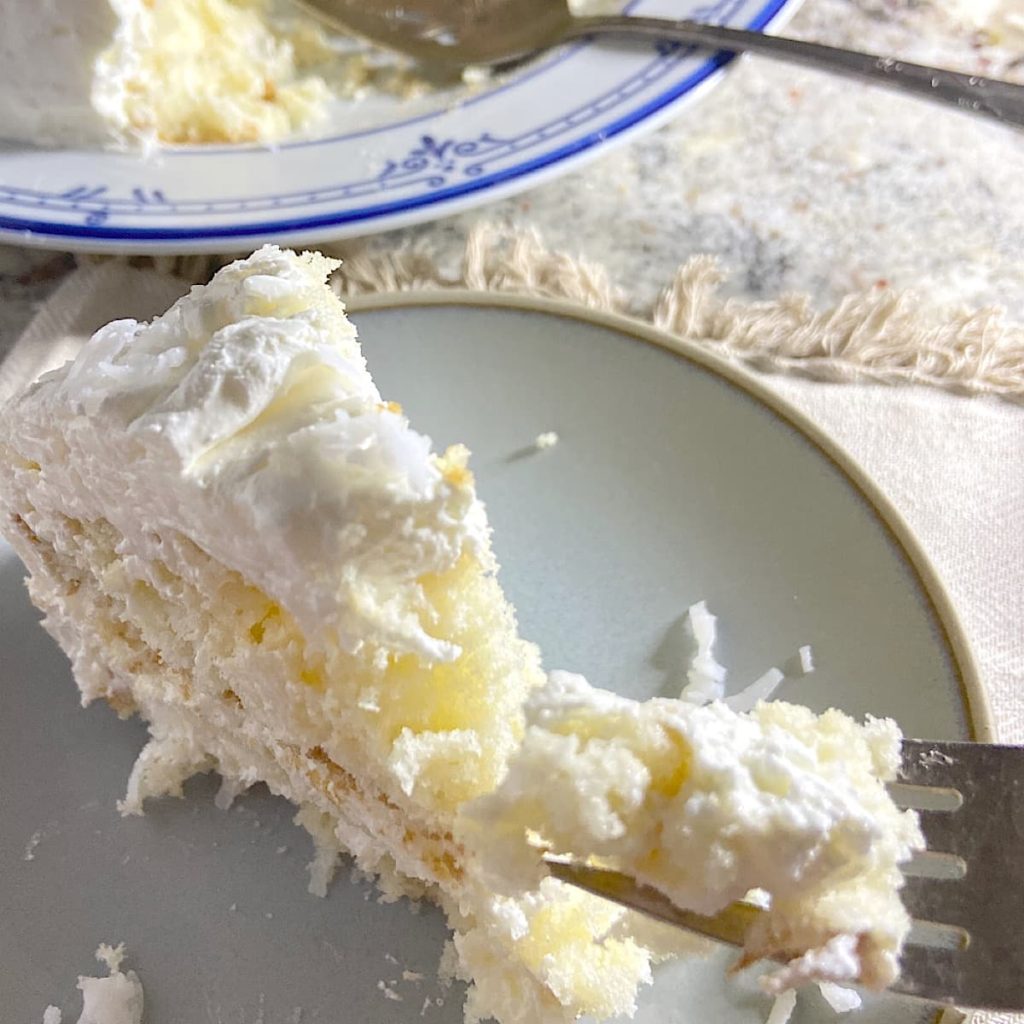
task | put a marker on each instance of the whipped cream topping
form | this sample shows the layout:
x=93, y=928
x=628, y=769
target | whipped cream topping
x=47, y=52
x=247, y=411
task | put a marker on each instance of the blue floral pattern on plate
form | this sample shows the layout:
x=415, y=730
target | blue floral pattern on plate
x=551, y=116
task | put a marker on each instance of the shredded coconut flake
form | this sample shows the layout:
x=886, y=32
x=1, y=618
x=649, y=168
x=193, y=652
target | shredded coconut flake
x=758, y=898
x=841, y=999
x=760, y=689
x=705, y=677
x=782, y=1008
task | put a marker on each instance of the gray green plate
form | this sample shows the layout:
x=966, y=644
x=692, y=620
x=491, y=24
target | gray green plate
x=676, y=479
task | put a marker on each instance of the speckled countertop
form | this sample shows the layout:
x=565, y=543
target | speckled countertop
x=797, y=181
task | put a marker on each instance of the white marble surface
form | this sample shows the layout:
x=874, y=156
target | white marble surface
x=796, y=180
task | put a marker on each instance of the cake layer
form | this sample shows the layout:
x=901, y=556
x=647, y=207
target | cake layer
x=87, y=72
x=193, y=71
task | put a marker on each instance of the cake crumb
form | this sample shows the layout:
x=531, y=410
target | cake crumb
x=369, y=700
x=411, y=976
x=388, y=992
x=30, y=847
x=546, y=440
x=111, y=956
x=48, y=830
x=115, y=999
x=52, y=1015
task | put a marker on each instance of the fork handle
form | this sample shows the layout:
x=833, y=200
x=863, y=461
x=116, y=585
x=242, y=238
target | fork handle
x=1002, y=101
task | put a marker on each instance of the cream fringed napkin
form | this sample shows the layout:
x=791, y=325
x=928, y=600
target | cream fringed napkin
x=946, y=445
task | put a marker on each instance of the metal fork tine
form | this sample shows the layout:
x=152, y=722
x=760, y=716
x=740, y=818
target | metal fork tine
x=986, y=831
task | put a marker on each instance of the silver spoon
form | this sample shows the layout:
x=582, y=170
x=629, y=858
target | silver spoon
x=458, y=33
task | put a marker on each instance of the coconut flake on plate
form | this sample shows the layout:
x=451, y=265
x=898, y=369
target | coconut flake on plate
x=705, y=676
x=782, y=1008
x=840, y=998
x=760, y=689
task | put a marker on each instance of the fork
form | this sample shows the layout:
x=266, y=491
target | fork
x=965, y=892
x=457, y=33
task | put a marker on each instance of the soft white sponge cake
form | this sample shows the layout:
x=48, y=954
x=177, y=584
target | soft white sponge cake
x=76, y=72
x=231, y=533
x=706, y=805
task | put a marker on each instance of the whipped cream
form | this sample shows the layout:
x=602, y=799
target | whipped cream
x=244, y=412
x=47, y=52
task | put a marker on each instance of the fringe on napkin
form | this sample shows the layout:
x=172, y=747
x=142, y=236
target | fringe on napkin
x=884, y=336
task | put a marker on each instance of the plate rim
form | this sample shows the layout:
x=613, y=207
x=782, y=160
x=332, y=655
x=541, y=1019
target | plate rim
x=771, y=17
x=973, y=695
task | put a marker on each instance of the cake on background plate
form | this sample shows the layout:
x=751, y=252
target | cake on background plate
x=231, y=533
x=84, y=72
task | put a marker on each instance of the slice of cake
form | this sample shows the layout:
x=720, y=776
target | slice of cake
x=231, y=533
x=179, y=71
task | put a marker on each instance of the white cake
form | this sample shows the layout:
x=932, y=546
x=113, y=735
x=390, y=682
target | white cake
x=179, y=71
x=231, y=533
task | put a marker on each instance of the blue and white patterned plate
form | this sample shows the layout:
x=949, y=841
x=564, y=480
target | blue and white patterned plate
x=384, y=163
